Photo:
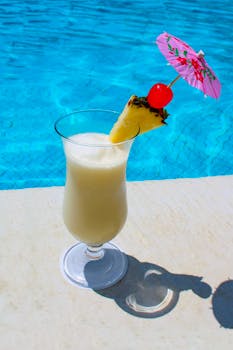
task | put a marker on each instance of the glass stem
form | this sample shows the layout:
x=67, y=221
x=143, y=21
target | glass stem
x=95, y=252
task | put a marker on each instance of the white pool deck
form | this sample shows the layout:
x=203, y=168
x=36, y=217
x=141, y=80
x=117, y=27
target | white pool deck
x=182, y=228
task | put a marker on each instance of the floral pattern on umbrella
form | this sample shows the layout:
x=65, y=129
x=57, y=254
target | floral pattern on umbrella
x=189, y=64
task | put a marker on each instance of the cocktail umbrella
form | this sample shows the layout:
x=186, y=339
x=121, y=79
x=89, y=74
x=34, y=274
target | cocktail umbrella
x=189, y=64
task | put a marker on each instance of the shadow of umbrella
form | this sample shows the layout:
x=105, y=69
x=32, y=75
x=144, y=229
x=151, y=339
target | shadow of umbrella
x=150, y=291
x=222, y=302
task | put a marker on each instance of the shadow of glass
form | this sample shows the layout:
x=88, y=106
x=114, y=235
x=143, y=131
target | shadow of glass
x=150, y=291
x=222, y=302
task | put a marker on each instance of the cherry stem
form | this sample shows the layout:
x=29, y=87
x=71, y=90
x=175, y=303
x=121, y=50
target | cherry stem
x=173, y=81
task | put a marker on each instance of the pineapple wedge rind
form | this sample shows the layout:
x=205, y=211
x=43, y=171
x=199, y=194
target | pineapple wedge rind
x=136, y=118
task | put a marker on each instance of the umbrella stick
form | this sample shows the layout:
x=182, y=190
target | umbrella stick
x=173, y=81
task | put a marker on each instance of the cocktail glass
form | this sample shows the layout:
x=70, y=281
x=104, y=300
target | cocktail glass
x=95, y=201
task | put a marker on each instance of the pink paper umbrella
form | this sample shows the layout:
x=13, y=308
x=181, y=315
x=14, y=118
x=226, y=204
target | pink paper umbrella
x=189, y=64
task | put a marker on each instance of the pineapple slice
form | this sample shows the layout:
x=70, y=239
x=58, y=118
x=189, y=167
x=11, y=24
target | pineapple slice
x=136, y=118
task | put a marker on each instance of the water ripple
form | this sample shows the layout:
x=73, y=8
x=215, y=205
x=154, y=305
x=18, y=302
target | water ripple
x=65, y=54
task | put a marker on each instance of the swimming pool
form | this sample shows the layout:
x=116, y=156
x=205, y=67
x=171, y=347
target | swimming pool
x=62, y=55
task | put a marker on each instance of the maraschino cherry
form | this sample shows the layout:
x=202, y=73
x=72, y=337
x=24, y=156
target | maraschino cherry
x=159, y=95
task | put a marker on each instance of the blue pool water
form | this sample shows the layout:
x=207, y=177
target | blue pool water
x=61, y=55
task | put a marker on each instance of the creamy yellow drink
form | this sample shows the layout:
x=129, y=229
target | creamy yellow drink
x=97, y=144
x=95, y=206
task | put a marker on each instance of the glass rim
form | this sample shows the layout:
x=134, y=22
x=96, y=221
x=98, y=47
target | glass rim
x=68, y=138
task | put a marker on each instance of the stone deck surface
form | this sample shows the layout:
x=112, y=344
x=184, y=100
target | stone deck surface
x=179, y=234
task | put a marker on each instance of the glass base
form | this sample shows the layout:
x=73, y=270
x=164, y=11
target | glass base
x=88, y=271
